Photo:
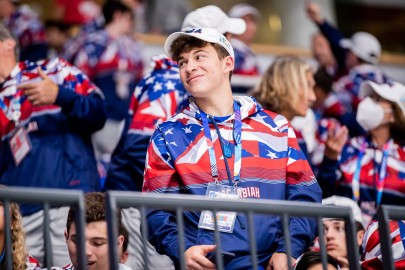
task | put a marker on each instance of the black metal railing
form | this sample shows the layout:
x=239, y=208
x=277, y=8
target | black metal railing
x=47, y=198
x=180, y=203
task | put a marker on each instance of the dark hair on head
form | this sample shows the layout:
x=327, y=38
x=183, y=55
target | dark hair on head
x=111, y=7
x=397, y=129
x=187, y=43
x=312, y=258
x=61, y=26
x=94, y=203
x=125, y=234
x=323, y=80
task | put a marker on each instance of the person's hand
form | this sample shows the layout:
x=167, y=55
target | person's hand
x=40, y=93
x=195, y=257
x=343, y=263
x=314, y=12
x=279, y=261
x=337, y=138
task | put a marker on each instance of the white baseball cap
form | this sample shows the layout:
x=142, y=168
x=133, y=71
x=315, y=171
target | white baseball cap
x=344, y=201
x=213, y=17
x=364, y=45
x=394, y=92
x=207, y=34
x=243, y=9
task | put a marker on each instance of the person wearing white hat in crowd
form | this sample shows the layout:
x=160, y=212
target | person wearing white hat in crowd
x=370, y=169
x=246, y=63
x=128, y=161
x=359, y=55
x=213, y=17
x=216, y=133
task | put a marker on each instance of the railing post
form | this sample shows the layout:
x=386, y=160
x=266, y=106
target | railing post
x=351, y=242
x=80, y=231
x=9, y=243
x=111, y=211
x=385, y=239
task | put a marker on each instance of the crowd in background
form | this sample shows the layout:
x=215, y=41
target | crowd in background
x=79, y=111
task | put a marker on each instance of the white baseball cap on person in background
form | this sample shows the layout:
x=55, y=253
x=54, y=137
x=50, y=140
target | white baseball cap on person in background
x=243, y=9
x=364, y=45
x=213, y=17
x=394, y=92
x=344, y=201
x=207, y=34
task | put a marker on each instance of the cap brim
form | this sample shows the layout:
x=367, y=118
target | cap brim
x=209, y=35
x=367, y=88
x=169, y=42
x=235, y=26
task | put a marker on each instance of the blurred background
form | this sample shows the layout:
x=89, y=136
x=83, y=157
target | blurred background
x=284, y=22
x=284, y=26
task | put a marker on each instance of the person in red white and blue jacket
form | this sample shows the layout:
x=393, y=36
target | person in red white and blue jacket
x=48, y=111
x=215, y=135
x=157, y=98
x=112, y=59
x=370, y=169
x=372, y=255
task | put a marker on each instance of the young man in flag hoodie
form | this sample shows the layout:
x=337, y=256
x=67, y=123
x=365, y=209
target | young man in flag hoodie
x=221, y=143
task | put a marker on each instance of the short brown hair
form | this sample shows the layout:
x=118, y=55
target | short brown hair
x=398, y=127
x=94, y=203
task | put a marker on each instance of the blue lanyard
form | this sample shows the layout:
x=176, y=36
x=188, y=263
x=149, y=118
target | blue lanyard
x=383, y=172
x=381, y=176
x=356, y=175
x=13, y=111
x=237, y=136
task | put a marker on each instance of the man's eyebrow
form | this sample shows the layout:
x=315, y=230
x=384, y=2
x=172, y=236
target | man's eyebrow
x=98, y=238
x=192, y=53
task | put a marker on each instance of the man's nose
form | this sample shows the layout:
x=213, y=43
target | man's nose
x=89, y=249
x=191, y=66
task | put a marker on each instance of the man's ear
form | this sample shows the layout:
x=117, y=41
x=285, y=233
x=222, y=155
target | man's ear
x=360, y=236
x=10, y=44
x=66, y=235
x=229, y=63
x=120, y=240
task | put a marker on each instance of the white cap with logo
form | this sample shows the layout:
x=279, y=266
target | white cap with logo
x=364, y=45
x=394, y=92
x=213, y=17
x=207, y=34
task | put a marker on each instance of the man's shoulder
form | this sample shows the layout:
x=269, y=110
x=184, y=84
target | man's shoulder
x=179, y=120
x=274, y=120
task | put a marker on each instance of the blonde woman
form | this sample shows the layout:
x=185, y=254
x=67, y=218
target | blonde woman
x=287, y=88
x=21, y=259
